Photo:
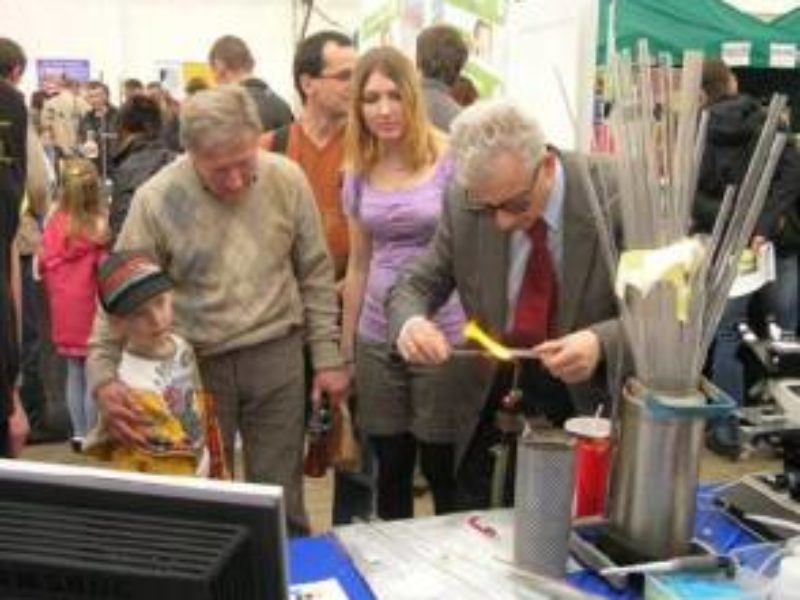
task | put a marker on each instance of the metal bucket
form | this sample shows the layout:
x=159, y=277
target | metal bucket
x=654, y=479
x=543, y=501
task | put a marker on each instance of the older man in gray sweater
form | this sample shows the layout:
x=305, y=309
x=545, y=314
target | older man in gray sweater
x=238, y=232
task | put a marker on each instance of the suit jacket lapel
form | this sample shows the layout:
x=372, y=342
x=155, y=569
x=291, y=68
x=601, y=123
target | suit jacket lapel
x=579, y=245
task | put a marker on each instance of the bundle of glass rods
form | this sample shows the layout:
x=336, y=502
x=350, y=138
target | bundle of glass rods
x=659, y=131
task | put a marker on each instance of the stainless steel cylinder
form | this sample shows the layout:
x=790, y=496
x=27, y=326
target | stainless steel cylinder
x=654, y=479
x=543, y=501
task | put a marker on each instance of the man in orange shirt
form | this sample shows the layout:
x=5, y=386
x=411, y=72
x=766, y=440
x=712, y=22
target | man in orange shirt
x=323, y=67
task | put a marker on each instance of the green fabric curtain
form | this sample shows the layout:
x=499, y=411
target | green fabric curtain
x=677, y=25
x=790, y=21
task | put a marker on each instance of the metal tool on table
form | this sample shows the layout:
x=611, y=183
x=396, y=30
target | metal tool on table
x=510, y=423
x=709, y=562
x=514, y=353
x=491, y=347
x=509, y=419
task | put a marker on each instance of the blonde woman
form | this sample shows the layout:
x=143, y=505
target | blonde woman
x=396, y=175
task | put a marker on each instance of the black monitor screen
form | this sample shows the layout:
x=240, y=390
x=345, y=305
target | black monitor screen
x=75, y=533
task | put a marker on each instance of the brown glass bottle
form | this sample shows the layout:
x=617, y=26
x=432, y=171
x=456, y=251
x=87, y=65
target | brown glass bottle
x=317, y=453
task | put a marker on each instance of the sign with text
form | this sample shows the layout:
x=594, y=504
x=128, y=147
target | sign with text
x=73, y=69
x=783, y=56
x=736, y=54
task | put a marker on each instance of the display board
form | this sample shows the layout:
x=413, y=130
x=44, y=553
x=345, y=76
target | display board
x=537, y=52
x=73, y=69
x=481, y=22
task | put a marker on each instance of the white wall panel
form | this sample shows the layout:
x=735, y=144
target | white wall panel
x=127, y=38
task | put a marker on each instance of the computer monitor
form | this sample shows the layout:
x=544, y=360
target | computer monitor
x=80, y=533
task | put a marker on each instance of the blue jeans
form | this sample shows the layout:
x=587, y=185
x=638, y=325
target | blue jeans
x=727, y=371
x=781, y=295
x=354, y=493
x=82, y=410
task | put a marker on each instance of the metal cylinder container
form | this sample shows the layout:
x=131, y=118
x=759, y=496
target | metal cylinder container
x=543, y=501
x=654, y=479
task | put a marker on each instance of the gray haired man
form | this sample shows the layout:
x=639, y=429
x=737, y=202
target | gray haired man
x=517, y=241
x=238, y=232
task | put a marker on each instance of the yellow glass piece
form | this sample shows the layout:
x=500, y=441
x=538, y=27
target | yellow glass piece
x=675, y=264
x=472, y=331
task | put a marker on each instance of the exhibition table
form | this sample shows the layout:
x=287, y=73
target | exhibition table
x=418, y=543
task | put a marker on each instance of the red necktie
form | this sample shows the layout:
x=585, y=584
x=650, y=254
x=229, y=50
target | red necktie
x=534, y=316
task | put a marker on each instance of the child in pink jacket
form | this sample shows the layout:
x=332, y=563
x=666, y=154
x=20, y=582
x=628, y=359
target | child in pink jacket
x=73, y=244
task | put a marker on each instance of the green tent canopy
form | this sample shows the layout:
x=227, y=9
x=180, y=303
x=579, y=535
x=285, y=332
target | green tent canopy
x=790, y=21
x=677, y=25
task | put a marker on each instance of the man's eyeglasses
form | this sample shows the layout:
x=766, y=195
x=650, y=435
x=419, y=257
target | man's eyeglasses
x=342, y=76
x=514, y=205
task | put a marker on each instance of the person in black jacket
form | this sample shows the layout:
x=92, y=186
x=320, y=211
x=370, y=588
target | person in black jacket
x=140, y=154
x=734, y=125
x=13, y=171
x=232, y=62
x=97, y=128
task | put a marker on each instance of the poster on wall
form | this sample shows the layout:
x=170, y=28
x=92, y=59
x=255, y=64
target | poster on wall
x=379, y=26
x=736, y=54
x=73, y=69
x=782, y=56
x=197, y=70
x=482, y=23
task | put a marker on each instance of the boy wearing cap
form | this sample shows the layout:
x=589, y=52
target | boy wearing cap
x=181, y=433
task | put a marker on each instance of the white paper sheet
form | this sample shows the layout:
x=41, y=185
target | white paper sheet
x=325, y=589
x=749, y=281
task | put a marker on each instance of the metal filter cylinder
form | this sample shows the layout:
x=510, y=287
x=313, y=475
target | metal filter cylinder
x=655, y=478
x=543, y=501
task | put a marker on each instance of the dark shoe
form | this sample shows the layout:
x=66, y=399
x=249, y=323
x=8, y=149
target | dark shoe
x=76, y=443
x=723, y=442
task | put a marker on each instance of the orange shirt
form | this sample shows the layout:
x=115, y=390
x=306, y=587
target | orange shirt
x=323, y=167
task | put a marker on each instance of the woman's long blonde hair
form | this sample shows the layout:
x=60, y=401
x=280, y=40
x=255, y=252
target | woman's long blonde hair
x=81, y=198
x=362, y=149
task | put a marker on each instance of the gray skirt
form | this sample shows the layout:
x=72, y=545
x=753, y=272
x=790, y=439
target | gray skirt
x=395, y=397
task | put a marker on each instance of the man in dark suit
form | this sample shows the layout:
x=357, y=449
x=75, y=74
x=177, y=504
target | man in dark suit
x=518, y=242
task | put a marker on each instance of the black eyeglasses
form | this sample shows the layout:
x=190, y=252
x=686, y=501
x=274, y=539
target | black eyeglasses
x=514, y=205
x=342, y=76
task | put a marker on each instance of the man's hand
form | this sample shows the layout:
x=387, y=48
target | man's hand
x=572, y=358
x=18, y=427
x=122, y=416
x=335, y=383
x=422, y=342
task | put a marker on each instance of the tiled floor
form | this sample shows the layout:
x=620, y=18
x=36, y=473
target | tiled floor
x=318, y=491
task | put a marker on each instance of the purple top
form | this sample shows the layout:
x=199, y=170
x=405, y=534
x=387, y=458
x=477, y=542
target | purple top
x=400, y=224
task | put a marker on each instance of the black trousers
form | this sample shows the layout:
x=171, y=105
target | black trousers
x=542, y=396
x=32, y=391
x=397, y=457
